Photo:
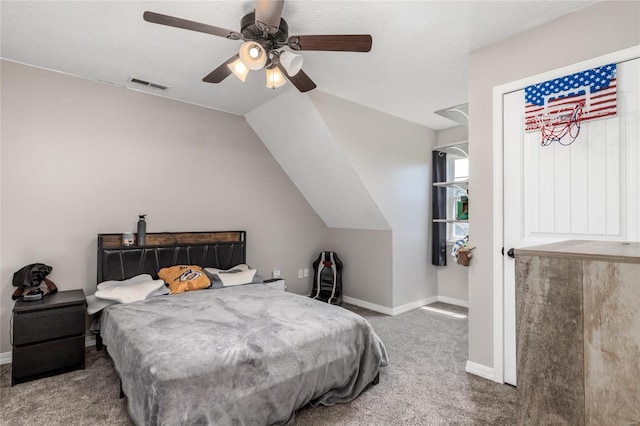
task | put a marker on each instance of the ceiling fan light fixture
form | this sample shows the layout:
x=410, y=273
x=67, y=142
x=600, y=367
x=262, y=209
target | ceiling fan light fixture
x=253, y=55
x=266, y=32
x=275, y=78
x=239, y=69
x=292, y=62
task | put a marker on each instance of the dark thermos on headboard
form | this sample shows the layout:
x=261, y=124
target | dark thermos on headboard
x=142, y=230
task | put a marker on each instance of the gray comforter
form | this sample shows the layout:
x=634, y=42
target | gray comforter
x=245, y=355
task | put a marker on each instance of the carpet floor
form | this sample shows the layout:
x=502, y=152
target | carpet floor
x=424, y=384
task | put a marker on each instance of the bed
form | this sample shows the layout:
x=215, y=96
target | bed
x=245, y=355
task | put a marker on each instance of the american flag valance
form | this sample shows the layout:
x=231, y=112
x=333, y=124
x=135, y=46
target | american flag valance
x=593, y=91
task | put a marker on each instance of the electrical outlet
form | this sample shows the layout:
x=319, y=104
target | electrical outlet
x=276, y=273
x=300, y=273
x=306, y=272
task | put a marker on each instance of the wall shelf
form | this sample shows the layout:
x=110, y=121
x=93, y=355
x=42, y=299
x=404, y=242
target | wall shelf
x=460, y=184
x=461, y=149
x=457, y=113
x=456, y=150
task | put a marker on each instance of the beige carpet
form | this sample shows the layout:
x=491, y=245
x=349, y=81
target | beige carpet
x=425, y=384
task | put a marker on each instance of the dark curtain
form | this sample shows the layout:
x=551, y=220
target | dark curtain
x=439, y=209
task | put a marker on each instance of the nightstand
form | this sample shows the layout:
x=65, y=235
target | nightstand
x=48, y=336
x=277, y=283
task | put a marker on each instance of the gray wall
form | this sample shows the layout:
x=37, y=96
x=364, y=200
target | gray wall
x=599, y=29
x=81, y=158
x=393, y=159
x=366, y=255
x=354, y=164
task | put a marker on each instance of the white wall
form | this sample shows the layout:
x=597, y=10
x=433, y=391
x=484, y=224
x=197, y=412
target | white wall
x=594, y=31
x=393, y=159
x=452, y=135
x=81, y=158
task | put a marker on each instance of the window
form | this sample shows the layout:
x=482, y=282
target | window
x=457, y=171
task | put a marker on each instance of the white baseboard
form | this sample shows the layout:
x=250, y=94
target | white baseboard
x=90, y=340
x=452, y=301
x=404, y=308
x=414, y=305
x=367, y=305
x=481, y=370
x=5, y=357
x=386, y=310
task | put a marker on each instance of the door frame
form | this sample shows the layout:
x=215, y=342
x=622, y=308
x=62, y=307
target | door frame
x=498, y=180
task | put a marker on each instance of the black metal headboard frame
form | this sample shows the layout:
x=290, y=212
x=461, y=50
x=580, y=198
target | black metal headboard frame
x=220, y=250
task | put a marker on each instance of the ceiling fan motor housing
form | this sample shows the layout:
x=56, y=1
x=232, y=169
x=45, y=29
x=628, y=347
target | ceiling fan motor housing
x=250, y=31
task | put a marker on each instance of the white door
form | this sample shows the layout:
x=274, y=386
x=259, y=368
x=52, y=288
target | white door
x=589, y=189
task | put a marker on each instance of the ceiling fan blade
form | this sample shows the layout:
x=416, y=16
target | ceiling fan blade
x=172, y=21
x=334, y=43
x=220, y=73
x=301, y=80
x=268, y=14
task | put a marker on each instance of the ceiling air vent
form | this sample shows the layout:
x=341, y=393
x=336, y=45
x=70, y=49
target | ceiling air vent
x=148, y=83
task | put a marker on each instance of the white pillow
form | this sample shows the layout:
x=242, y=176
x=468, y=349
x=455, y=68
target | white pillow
x=133, y=280
x=95, y=304
x=216, y=271
x=237, y=278
x=131, y=292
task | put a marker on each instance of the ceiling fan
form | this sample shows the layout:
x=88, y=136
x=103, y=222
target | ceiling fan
x=265, y=34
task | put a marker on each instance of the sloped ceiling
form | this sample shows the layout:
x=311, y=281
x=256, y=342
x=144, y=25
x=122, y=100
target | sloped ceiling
x=298, y=138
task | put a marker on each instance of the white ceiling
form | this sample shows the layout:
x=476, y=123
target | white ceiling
x=418, y=63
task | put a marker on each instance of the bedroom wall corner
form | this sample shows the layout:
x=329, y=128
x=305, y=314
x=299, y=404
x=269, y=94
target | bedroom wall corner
x=80, y=157
x=367, y=275
x=393, y=159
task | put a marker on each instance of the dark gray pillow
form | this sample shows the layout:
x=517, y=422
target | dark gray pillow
x=216, y=282
x=214, y=278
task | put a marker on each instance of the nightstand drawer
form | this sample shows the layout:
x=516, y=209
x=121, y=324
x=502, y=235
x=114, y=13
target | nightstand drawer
x=47, y=357
x=48, y=324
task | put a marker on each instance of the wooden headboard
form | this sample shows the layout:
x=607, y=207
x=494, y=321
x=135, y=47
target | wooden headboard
x=207, y=249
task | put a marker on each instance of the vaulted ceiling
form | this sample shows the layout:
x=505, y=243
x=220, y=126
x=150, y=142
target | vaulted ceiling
x=418, y=63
